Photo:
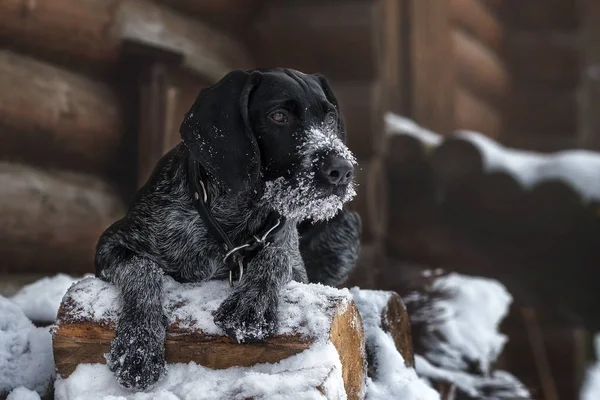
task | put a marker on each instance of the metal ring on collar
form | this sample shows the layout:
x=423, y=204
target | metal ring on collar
x=241, y=265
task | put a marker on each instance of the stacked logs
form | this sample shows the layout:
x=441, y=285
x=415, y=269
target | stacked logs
x=344, y=41
x=517, y=71
x=530, y=220
x=79, y=84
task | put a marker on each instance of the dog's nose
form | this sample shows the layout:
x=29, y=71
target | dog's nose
x=337, y=170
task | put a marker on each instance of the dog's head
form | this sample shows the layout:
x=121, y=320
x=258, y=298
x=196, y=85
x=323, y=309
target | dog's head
x=278, y=132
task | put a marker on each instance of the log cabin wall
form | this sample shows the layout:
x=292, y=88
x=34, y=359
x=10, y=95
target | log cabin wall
x=91, y=95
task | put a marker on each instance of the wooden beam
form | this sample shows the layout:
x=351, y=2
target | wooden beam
x=89, y=34
x=342, y=40
x=53, y=117
x=371, y=200
x=51, y=221
x=432, y=65
x=479, y=21
x=362, y=105
x=553, y=60
x=472, y=113
x=539, y=15
x=479, y=69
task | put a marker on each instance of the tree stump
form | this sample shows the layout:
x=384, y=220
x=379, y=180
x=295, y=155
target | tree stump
x=309, y=315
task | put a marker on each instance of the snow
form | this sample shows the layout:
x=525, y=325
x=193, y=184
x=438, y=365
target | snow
x=22, y=393
x=397, y=125
x=300, y=199
x=25, y=351
x=469, y=322
x=497, y=385
x=40, y=300
x=304, y=308
x=591, y=386
x=392, y=378
x=579, y=168
x=296, y=377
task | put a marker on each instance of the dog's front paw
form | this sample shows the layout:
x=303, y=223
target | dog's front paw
x=137, y=356
x=246, y=319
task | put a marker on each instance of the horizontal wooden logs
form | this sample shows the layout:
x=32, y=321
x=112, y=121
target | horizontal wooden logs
x=342, y=40
x=85, y=338
x=538, y=15
x=478, y=20
x=52, y=117
x=362, y=105
x=541, y=110
x=90, y=33
x=479, y=69
x=473, y=113
x=553, y=60
x=50, y=221
x=371, y=199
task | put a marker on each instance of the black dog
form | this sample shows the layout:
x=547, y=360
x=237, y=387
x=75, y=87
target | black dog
x=263, y=167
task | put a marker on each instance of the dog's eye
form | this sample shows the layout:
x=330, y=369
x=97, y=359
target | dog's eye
x=279, y=117
x=330, y=119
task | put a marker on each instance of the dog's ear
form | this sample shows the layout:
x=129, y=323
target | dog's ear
x=218, y=132
x=333, y=100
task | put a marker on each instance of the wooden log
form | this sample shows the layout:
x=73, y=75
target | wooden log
x=342, y=40
x=552, y=60
x=538, y=15
x=192, y=336
x=432, y=74
x=371, y=199
x=541, y=110
x=479, y=69
x=396, y=66
x=89, y=34
x=50, y=222
x=472, y=113
x=52, y=117
x=363, y=106
x=384, y=310
x=479, y=21
x=229, y=15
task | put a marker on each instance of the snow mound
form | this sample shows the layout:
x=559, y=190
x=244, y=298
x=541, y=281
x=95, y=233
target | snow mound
x=25, y=351
x=40, y=300
x=466, y=331
x=22, y=393
x=397, y=125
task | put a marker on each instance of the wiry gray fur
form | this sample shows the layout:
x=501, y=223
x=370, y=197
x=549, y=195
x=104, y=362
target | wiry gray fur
x=163, y=233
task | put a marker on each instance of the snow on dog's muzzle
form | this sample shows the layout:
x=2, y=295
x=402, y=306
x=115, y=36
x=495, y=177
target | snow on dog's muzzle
x=322, y=184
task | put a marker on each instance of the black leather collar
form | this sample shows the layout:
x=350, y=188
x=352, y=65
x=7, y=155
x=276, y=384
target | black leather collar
x=234, y=256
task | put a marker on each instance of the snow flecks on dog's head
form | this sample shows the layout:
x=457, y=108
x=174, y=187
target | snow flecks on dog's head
x=303, y=195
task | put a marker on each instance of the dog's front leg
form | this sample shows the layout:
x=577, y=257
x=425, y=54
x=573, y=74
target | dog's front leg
x=137, y=352
x=249, y=314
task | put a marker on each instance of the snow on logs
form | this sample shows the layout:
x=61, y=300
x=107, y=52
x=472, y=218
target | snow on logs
x=90, y=33
x=320, y=339
x=51, y=221
x=51, y=116
x=309, y=316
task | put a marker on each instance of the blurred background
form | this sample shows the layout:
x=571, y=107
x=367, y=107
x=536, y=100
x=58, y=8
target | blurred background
x=92, y=93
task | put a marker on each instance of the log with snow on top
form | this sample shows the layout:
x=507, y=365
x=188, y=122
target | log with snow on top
x=455, y=327
x=468, y=152
x=319, y=342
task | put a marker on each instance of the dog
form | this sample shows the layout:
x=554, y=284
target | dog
x=256, y=191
